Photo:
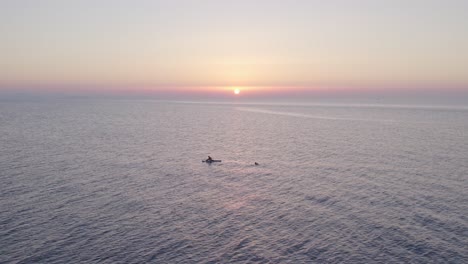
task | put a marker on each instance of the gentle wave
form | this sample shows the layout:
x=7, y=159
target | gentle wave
x=123, y=182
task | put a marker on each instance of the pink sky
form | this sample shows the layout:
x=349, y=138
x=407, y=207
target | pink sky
x=207, y=48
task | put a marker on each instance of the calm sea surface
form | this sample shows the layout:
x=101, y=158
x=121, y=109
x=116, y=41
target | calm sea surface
x=124, y=182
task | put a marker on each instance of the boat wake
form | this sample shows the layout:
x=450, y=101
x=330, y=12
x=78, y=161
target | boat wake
x=265, y=111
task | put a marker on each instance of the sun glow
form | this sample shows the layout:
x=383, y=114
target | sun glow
x=236, y=91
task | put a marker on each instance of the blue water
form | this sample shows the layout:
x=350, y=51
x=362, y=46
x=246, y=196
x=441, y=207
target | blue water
x=122, y=182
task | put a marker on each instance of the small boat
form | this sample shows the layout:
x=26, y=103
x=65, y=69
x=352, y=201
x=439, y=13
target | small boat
x=210, y=161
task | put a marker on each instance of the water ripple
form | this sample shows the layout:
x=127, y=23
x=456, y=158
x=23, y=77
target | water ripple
x=123, y=182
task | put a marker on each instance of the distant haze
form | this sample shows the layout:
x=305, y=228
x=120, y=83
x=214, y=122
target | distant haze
x=206, y=48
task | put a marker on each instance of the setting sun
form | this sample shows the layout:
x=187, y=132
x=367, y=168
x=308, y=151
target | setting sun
x=236, y=91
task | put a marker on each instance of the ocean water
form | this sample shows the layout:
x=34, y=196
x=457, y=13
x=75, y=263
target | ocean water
x=114, y=181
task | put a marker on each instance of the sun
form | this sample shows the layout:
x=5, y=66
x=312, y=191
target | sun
x=236, y=91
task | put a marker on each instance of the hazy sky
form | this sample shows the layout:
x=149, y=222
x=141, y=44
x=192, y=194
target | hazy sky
x=198, y=43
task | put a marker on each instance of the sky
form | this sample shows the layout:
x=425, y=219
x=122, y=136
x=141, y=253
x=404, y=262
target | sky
x=214, y=46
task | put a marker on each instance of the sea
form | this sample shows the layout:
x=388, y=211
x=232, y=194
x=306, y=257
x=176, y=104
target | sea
x=123, y=181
